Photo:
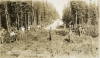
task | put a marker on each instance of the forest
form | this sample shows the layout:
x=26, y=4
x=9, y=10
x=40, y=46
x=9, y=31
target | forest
x=21, y=13
x=18, y=41
x=81, y=13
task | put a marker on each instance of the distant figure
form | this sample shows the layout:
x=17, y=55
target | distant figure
x=39, y=26
x=20, y=34
x=15, y=29
x=2, y=33
x=70, y=34
x=29, y=27
x=50, y=34
x=22, y=31
x=80, y=30
x=12, y=34
x=83, y=31
x=69, y=27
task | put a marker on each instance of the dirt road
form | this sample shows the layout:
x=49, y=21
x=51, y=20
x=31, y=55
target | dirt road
x=54, y=24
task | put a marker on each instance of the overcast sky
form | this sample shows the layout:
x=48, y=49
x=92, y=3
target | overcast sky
x=59, y=4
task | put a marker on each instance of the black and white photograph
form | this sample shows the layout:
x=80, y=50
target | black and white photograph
x=49, y=28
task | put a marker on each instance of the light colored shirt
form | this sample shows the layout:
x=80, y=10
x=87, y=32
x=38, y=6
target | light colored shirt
x=23, y=29
x=12, y=34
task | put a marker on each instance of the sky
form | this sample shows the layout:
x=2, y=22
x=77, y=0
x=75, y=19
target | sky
x=59, y=4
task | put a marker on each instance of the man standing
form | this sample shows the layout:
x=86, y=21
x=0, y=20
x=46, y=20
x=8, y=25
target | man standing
x=80, y=30
x=50, y=34
x=2, y=32
x=70, y=35
x=22, y=32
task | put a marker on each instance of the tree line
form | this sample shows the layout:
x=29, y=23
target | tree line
x=20, y=13
x=80, y=12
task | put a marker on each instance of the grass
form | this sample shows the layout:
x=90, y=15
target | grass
x=37, y=43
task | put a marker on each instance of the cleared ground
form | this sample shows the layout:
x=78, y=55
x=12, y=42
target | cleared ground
x=37, y=46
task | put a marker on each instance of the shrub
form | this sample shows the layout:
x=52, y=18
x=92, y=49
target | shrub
x=92, y=31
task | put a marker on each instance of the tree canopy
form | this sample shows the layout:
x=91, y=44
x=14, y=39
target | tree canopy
x=38, y=13
x=83, y=11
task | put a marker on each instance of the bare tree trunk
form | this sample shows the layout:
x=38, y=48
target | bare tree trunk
x=25, y=21
x=28, y=20
x=76, y=18
x=6, y=12
x=17, y=21
x=21, y=12
x=7, y=22
x=32, y=19
x=32, y=13
x=35, y=18
x=82, y=21
x=0, y=20
x=25, y=28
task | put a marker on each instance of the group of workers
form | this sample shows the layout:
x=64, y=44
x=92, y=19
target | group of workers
x=79, y=30
x=13, y=32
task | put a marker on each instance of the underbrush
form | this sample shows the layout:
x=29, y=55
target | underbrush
x=92, y=30
x=37, y=43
